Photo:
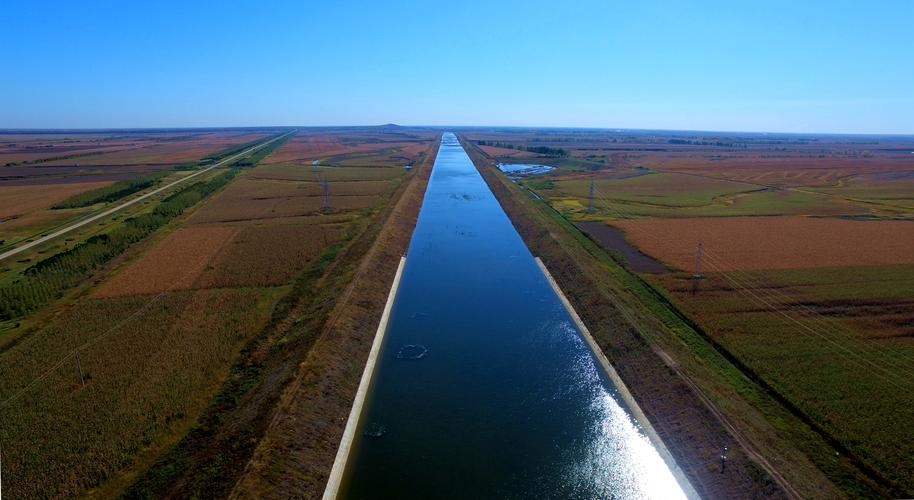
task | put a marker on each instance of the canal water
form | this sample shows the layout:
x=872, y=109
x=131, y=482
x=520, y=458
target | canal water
x=484, y=387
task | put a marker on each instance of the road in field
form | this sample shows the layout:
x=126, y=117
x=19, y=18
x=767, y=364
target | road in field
x=79, y=224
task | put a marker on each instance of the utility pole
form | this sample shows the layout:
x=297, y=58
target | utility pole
x=696, y=277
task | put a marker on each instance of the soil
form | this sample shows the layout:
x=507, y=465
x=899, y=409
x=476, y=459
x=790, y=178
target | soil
x=614, y=240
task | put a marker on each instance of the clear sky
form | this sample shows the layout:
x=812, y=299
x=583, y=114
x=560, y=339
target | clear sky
x=777, y=65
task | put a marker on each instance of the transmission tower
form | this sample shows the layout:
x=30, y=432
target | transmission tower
x=592, y=189
x=326, y=189
x=696, y=277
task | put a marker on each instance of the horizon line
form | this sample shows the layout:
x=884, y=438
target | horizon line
x=442, y=127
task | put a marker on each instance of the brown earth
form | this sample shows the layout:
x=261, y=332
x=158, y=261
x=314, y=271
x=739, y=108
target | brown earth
x=752, y=243
x=19, y=200
x=173, y=264
x=267, y=255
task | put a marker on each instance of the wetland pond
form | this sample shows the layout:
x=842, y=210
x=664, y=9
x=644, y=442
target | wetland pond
x=484, y=387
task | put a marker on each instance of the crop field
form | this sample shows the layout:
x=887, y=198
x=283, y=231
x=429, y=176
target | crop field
x=173, y=264
x=364, y=149
x=132, y=335
x=800, y=242
x=148, y=363
x=21, y=200
x=807, y=263
x=837, y=342
x=292, y=248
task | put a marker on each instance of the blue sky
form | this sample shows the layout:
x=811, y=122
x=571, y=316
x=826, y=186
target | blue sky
x=792, y=66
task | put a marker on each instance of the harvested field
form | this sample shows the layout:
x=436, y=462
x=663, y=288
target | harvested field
x=774, y=242
x=306, y=147
x=786, y=171
x=298, y=173
x=227, y=210
x=665, y=190
x=18, y=200
x=267, y=255
x=173, y=264
x=171, y=152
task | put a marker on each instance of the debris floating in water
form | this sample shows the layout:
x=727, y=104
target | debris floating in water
x=374, y=430
x=412, y=351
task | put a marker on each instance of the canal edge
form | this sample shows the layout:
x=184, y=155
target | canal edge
x=626, y=395
x=342, y=454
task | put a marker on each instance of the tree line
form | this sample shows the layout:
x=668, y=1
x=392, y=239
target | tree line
x=110, y=193
x=49, y=278
x=543, y=150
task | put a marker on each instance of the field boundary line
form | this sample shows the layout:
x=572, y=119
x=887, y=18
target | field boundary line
x=331, y=492
x=83, y=222
x=626, y=395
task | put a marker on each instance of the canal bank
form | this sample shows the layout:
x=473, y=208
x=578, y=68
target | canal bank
x=484, y=386
x=670, y=380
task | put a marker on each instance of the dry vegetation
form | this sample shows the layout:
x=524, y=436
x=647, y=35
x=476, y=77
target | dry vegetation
x=150, y=364
x=773, y=242
x=179, y=328
x=173, y=264
x=22, y=200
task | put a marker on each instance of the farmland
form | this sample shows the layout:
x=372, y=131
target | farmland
x=162, y=325
x=806, y=270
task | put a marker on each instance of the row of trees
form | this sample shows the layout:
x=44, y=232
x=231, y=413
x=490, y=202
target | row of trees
x=47, y=279
x=543, y=150
x=110, y=193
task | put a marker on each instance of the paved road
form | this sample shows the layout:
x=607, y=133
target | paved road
x=77, y=225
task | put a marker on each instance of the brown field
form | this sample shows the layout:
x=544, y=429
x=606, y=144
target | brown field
x=244, y=261
x=333, y=147
x=297, y=173
x=167, y=332
x=225, y=210
x=174, y=264
x=281, y=192
x=19, y=200
x=172, y=151
x=787, y=171
x=746, y=243
x=505, y=152
x=150, y=368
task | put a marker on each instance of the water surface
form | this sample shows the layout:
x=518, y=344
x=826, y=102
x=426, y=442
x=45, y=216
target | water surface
x=484, y=387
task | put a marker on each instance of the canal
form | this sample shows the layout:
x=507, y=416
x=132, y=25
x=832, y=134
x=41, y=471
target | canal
x=484, y=387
